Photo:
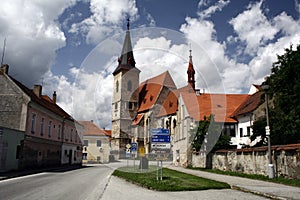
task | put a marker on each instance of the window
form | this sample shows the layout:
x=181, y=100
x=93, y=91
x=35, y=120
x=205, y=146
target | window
x=42, y=125
x=248, y=130
x=67, y=134
x=129, y=86
x=229, y=130
x=116, y=106
x=84, y=156
x=71, y=135
x=33, y=121
x=59, y=132
x=117, y=86
x=49, y=128
x=86, y=143
x=241, y=132
x=130, y=105
x=98, y=143
x=76, y=136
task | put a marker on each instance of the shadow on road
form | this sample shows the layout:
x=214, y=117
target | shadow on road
x=62, y=169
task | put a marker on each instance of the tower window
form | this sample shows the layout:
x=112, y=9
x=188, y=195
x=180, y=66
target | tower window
x=130, y=105
x=117, y=86
x=129, y=86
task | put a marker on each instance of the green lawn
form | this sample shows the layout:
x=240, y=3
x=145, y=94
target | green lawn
x=282, y=180
x=172, y=180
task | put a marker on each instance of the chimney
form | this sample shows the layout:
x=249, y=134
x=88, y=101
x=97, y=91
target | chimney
x=54, y=97
x=37, y=90
x=4, y=68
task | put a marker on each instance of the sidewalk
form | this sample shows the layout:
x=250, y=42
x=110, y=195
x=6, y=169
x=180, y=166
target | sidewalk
x=264, y=188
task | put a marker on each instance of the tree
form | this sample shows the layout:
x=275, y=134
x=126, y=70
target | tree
x=211, y=131
x=285, y=89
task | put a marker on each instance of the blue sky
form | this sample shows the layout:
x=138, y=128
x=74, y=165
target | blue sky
x=60, y=44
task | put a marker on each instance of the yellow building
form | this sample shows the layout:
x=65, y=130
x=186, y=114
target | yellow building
x=97, y=146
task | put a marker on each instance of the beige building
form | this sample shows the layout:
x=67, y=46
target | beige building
x=97, y=146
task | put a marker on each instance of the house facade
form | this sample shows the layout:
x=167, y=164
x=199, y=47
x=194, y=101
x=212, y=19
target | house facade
x=97, y=143
x=10, y=148
x=51, y=137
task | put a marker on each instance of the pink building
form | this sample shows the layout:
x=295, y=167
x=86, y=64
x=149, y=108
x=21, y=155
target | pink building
x=52, y=136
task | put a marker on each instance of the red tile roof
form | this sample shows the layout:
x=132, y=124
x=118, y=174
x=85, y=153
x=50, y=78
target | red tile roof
x=220, y=105
x=108, y=133
x=150, y=89
x=92, y=129
x=170, y=105
x=137, y=119
x=250, y=104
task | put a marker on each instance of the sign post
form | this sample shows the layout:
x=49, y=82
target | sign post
x=160, y=145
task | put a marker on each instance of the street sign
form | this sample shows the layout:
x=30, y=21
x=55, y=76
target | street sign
x=160, y=131
x=127, y=153
x=160, y=146
x=160, y=138
x=128, y=146
x=134, y=146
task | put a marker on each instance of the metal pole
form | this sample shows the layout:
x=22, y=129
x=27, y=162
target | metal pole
x=271, y=166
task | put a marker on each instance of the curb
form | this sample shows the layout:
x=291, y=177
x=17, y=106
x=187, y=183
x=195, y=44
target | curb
x=271, y=196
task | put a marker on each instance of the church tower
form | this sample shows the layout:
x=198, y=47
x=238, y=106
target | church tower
x=191, y=72
x=125, y=97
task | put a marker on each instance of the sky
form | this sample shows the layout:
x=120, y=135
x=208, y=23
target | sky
x=72, y=46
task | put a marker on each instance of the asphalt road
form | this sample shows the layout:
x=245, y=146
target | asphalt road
x=83, y=183
x=95, y=182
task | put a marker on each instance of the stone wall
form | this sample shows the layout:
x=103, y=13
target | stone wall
x=286, y=160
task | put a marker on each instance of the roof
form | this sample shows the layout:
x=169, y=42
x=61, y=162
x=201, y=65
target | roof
x=220, y=105
x=150, y=89
x=126, y=60
x=170, y=105
x=250, y=104
x=108, y=133
x=44, y=100
x=92, y=129
x=137, y=119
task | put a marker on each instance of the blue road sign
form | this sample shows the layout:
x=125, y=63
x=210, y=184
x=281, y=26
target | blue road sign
x=160, y=138
x=134, y=146
x=160, y=131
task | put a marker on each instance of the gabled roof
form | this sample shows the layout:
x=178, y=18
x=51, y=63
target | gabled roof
x=250, y=104
x=92, y=129
x=170, y=105
x=150, y=89
x=43, y=100
x=220, y=105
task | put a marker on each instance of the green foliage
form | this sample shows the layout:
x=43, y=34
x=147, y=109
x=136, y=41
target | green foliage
x=172, y=181
x=210, y=130
x=259, y=129
x=223, y=142
x=198, y=133
x=285, y=88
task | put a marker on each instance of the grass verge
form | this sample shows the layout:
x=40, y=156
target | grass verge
x=172, y=180
x=282, y=180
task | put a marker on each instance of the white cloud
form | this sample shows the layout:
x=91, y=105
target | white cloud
x=107, y=19
x=33, y=35
x=218, y=6
x=253, y=28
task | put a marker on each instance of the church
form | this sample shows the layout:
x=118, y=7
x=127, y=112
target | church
x=158, y=103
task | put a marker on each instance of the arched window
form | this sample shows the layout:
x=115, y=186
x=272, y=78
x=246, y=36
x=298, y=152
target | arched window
x=117, y=86
x=129, y=86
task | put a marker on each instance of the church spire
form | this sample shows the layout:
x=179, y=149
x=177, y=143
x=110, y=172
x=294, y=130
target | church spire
x=191, y=72
x=126, y=60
